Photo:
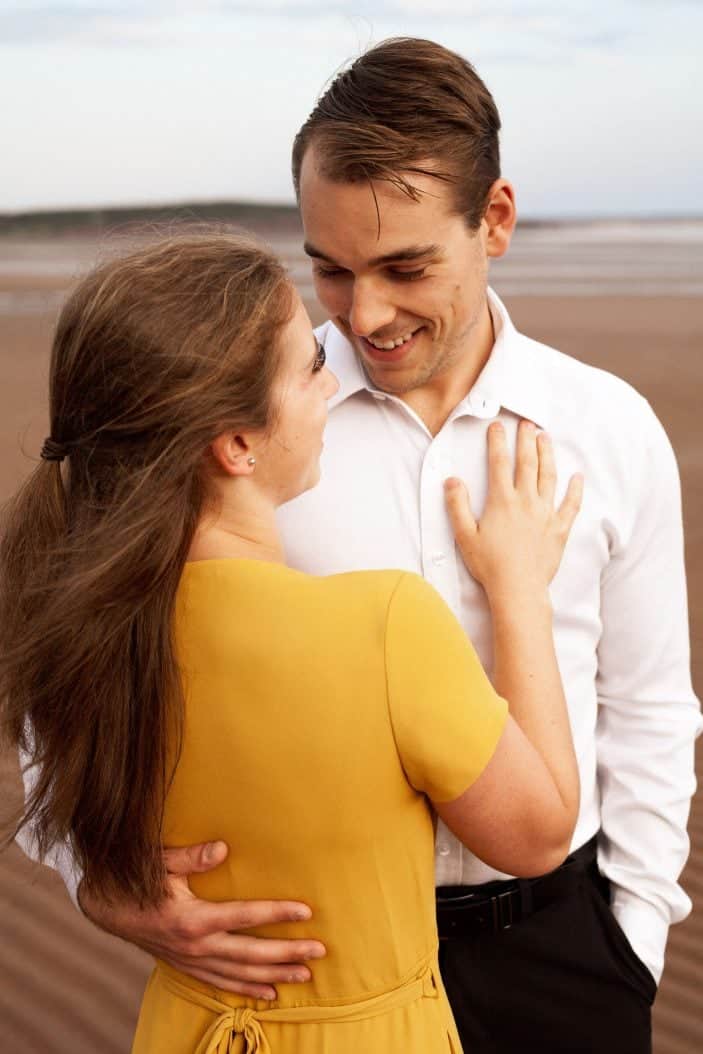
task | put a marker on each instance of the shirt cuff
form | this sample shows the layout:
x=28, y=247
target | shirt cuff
x=645, y=928
x=58, y=858
x=72, y=880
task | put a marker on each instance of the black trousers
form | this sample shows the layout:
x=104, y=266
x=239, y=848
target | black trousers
x=563, y=981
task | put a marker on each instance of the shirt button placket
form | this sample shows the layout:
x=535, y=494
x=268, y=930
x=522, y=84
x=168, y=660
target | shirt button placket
x=438, y=553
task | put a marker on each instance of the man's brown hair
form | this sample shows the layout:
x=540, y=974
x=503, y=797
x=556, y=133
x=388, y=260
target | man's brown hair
x=407, y=106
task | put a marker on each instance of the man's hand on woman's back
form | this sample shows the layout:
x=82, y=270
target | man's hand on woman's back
x=204, y=939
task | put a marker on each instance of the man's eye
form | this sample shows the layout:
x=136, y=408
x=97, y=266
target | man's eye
x=328, y=272
x=409, y=276
x=320, y=359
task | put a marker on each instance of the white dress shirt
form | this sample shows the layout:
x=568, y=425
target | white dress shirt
x=619, y=598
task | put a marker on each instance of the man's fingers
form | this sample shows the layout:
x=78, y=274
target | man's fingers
x=190, y=859
x=218, y=980
x=547, y=474
x=263, y=951
x=288, y=973
x=235, y=915
x=571, y=503
x=456, y=498
x=526, y=461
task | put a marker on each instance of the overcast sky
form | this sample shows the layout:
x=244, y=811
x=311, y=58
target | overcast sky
x=122, y=103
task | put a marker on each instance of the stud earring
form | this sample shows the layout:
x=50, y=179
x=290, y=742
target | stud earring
x=251, y=461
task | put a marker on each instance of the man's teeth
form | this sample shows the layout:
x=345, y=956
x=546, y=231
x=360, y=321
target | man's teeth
x=388, y=345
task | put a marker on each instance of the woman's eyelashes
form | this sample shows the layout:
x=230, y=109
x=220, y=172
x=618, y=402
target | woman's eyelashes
x=320, y=359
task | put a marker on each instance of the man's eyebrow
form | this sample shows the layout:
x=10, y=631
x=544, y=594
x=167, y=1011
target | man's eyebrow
x=413, y=252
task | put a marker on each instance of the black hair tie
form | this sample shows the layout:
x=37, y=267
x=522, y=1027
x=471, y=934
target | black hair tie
x=53, y=451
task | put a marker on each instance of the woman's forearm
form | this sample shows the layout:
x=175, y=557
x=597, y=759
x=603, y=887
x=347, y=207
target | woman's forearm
x=527, y=675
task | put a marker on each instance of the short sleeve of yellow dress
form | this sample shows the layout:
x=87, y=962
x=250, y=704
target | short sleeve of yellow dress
x=446, y=715
x=320, y=715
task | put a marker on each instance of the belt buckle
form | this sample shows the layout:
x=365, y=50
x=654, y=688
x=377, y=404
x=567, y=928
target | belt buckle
x=502, y=911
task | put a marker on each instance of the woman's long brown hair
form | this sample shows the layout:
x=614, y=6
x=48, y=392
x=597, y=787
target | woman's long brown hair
x=154, y=355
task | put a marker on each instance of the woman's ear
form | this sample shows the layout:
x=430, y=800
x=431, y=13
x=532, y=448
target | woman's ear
x=232, y=454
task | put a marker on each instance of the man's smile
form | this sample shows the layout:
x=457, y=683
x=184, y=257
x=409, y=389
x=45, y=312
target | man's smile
x=390, y=350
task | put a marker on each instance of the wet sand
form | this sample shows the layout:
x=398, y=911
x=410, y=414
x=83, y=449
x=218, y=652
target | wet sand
x=68, y=988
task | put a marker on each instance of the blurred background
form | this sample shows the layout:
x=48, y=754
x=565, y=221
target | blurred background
x=120, y=116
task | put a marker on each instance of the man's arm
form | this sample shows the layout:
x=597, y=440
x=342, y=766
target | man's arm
x=648, y=715
x=198, y=937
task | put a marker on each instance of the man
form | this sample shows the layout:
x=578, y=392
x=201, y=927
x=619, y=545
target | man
x=403, y=204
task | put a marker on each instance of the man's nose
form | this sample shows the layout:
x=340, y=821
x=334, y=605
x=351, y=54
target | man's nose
x=370, y=310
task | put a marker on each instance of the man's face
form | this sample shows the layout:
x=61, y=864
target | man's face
x=411, y=297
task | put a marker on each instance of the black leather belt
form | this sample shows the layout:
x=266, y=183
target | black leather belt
x=468, y=910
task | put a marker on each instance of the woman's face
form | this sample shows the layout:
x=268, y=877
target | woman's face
x=290, y=458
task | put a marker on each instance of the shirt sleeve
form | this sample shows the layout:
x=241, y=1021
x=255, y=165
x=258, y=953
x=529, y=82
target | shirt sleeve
x=446, y=716
x=648, y=715
x=60, y=857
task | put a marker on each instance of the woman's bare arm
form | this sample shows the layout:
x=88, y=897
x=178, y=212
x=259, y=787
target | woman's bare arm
x=520, y=814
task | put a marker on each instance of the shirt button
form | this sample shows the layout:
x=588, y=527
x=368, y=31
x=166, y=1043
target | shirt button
x=439, y=558
x=444, y=850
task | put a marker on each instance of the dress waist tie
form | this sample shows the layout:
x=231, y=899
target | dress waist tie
x=238, y=1030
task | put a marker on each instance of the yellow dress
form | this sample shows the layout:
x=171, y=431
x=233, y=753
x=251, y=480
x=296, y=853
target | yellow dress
x=321, y=713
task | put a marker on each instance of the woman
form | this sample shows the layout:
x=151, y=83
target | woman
x=181, y=684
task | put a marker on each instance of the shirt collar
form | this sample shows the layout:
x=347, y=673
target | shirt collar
x=509, y=380
x=512, y=378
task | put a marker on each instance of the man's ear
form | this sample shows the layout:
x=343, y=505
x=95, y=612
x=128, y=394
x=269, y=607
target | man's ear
x=500, y=218
x=232, y=454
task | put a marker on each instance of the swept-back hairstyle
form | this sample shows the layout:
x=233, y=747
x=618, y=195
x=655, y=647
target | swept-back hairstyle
x=407, y=106
x=154, y=355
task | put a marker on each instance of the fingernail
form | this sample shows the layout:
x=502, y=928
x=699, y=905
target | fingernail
x=317, y=953
x=212, y=851
x=302, y=913
x=451, y=483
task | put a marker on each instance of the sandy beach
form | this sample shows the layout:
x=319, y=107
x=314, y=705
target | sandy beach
x=68, y=989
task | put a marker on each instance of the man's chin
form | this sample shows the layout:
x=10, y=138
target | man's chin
x=394, y=382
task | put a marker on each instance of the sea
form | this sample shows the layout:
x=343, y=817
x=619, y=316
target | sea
x=637, y=258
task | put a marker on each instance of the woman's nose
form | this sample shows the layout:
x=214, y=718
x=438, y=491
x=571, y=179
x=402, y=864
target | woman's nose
x=332, y=386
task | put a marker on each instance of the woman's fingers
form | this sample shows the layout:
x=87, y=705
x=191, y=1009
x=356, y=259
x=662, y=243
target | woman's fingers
x=458, y=504
x=547, y=472
x=500, y=467
x=526, y=460
x=571, y=503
